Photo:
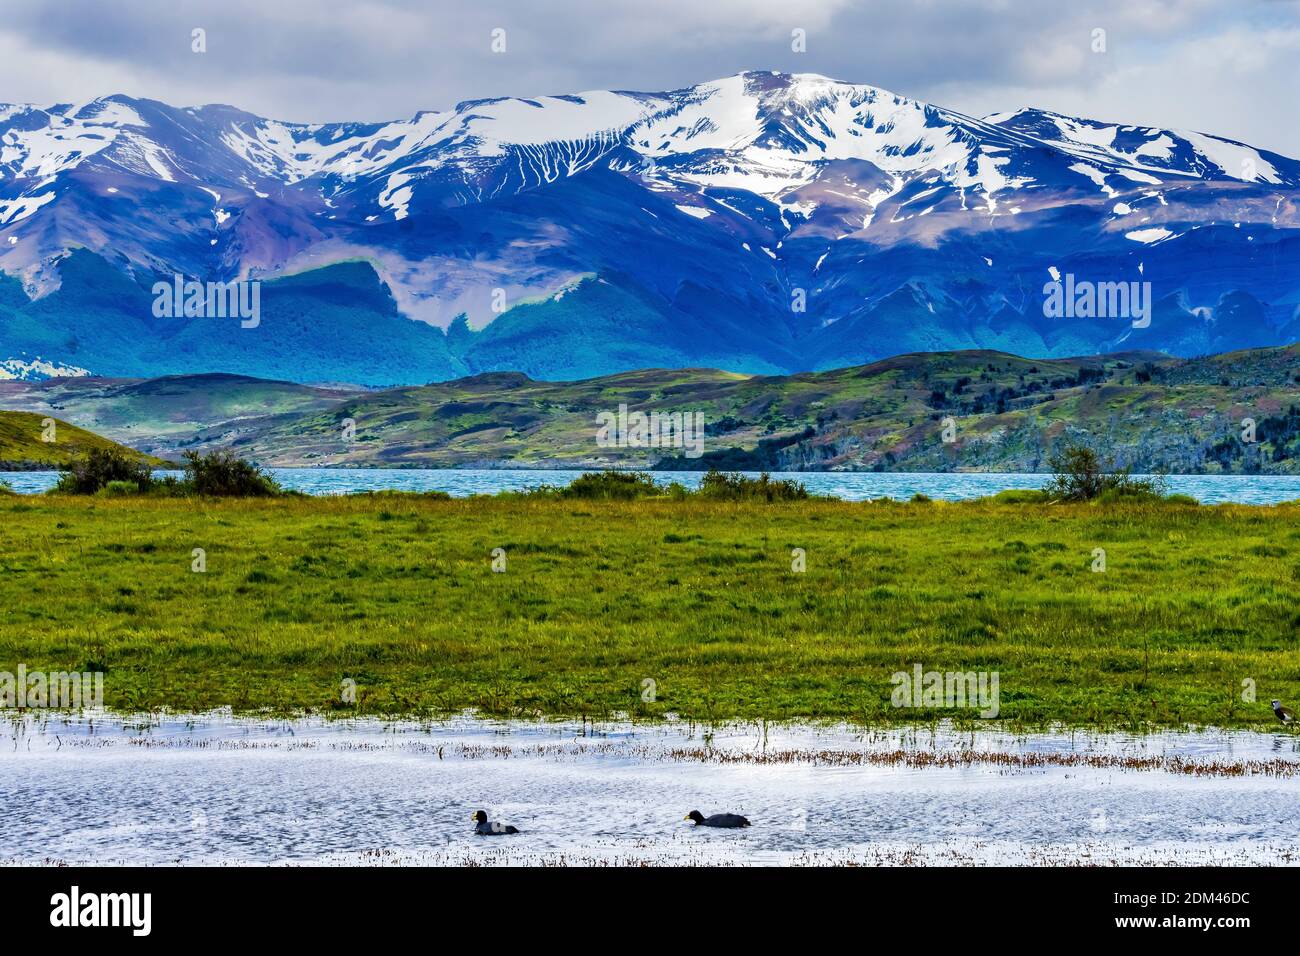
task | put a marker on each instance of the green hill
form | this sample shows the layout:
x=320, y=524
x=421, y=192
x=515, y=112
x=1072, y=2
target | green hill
x=23, y=444
x=1141, y=410
x=1144, y=410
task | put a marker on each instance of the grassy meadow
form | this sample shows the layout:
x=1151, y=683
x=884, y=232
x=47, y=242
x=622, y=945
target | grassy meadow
x=398, y=593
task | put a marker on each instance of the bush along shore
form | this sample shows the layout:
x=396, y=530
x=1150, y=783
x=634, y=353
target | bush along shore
x=217, y=474
x=1097, y=602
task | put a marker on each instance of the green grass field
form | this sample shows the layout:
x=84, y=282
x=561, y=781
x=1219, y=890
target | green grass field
x=398, y=594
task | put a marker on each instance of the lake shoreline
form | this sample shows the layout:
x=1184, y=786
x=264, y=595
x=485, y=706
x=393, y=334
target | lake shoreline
x=505, y=465
x=847, y=485
x=1198, y=750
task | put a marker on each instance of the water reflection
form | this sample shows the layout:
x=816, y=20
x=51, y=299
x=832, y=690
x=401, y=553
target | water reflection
x=212, y=789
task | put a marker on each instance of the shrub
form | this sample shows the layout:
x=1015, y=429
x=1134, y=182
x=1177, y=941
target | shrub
x=168, y=486
x=921, y=499
x=612, y=486
x=1021, y=496
x=1133, y=491
x=219, y=474
x=734, y=487
x=1078, y=476
x=632, y=485
x=88, y=475
x=119, y=489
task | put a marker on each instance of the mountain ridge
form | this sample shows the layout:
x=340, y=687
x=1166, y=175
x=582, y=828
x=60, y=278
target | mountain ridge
x=737, y=222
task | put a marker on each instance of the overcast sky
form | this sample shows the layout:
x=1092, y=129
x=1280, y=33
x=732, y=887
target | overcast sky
x=1229, y=67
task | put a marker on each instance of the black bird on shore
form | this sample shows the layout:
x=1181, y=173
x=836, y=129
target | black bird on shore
x=1284, y=714
x=729, y=821
x=483, y=828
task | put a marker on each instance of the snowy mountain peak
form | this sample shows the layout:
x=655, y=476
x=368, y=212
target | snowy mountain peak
x=769, y=133
x=1157, y=151
x=781, y=182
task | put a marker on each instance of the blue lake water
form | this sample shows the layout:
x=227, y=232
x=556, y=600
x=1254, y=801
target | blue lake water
x=851, y=486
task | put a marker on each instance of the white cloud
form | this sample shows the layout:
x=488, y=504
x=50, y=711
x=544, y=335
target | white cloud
x=1241, y=84
x=1227, y=69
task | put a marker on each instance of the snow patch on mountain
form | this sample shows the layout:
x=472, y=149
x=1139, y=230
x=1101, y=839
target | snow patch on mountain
x=696, y=211
x=16, y=210
x=37, y=369
x=1148, y=235
x=1234, y=159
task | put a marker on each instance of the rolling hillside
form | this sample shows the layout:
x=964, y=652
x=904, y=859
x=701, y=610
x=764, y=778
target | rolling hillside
x=22, y=447
x=1146, y=410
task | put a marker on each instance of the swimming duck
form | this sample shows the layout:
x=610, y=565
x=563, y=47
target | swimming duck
x=728, y=821
x=483, y=828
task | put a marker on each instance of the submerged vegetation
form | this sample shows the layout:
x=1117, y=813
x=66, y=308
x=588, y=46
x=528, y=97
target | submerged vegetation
x=723, y=608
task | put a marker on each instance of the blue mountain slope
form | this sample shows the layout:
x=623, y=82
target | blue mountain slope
x=333, y=323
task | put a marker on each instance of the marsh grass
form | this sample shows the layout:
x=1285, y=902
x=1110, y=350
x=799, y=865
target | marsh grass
x=698, y=595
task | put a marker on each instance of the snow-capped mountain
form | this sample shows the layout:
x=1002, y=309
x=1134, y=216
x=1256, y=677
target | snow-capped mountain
x=760, y=222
